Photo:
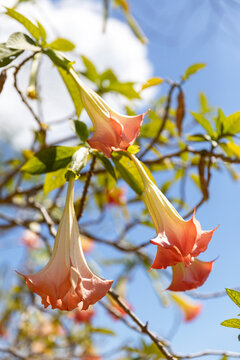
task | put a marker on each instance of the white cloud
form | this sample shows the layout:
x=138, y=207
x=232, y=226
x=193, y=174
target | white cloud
x=80, y=22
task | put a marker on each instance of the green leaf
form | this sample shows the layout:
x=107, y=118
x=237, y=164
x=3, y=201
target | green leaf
x=33, y=29
x=81, y=130
x=108, y=75
x=196, y=180
x=197, y=138
x=192, y=70
x=8, y=55
x=233, y=149
x=204, y=123
x=107, y=164
x=125, y=89
x=102, y=331
x=219, y=121
x=58, y=59
x=21, y=41
x=91, y=72
x=54, y=180
x=42, y=31
x=61, y=44
x=73, y=90
x=129, y=172
x=233, y=323
x=133, y=149
x=152, y=82
x=232, y=124
x=234, y=296
x=50, y=159
x=204, y=104
x=135, y=28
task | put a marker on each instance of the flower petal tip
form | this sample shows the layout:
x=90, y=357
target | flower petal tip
x=190, y=277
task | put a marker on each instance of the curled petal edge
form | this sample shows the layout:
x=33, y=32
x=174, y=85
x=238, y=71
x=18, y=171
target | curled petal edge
x=190, y=277
x=73, y=290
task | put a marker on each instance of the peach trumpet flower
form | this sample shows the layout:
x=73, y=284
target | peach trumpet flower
x=67, y=280
x=190, y=309
x=178, y=242
x=82, y=316
x=112, y=131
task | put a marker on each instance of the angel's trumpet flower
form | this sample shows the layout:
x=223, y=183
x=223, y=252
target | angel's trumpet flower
x=190, y=309
x=112, y=131
x=178, y=242
x=67, y=280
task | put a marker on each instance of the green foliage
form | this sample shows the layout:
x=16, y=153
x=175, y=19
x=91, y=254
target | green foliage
x=107, y=81
x=50, y=159
x=103, y=331
x=33, y=29
x=81, y=130
x=91, y=72
x=124, y=5
x=54, y=180
x=74, y=92
x=61, y=44
x=143, y=351
x=58, y=59
x=204, y=104
x=7, y=55
x=21, y=41
x=233, y=323
x=152, y=82
x=192, y=70
x=128, y=171
x=133, y=149
x=205, y=124
x=231, y=124
x=235, y=297
x=107, y=164
x=42, y=31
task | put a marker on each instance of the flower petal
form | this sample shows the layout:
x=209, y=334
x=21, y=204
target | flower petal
x=44, y=285
x=131, y=128
x=107, y=136
x=203, y=241
x=94, y=289
x=190, y=277
x=165, y=256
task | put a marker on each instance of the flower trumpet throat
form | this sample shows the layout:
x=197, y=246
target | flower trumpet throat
x=178, y=242
x=112, y=131
x=66, y=281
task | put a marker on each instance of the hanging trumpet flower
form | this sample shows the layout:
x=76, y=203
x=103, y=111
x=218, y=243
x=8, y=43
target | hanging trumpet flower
x=112, y=131
x=178, y=242
x=66, y=281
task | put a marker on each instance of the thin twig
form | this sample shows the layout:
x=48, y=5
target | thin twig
x=119, y=317
x=17, y=69
x=211, y=295
x=160, y=343
x=85, y=190
x=206, y=353
x=12, y=352
x=164, y=120
x=49, y=221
